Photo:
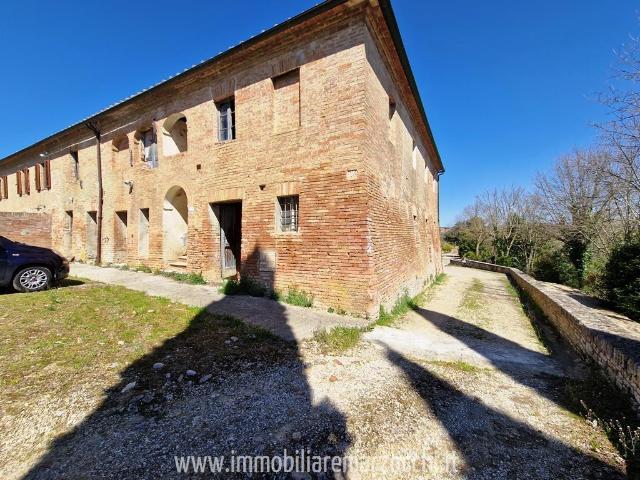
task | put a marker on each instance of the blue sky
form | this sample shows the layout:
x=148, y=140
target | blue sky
x=508, y=86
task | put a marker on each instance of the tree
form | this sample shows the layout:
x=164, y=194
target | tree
x=575, y=197
x=501, y=226
x=621, y=135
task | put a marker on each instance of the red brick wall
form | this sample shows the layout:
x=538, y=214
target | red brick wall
x=30, y=228
x=366, y=215
x=402, y=188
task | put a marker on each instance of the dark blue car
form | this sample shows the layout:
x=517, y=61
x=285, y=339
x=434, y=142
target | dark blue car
x=28, y=268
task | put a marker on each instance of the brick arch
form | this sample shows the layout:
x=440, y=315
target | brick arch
x=175, y=223
x=174, y=134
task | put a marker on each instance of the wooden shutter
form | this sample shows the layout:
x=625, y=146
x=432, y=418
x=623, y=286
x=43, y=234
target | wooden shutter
x=38, y=185
x=27, y=183
x=5, y=187
x=19, y=183
x=1, y=189
x=47, y=174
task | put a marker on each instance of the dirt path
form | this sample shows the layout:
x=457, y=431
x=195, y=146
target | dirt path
x=461, y=389
x=475, y=318
x=287, y=321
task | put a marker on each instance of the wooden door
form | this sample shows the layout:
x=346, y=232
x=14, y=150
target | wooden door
x=230, y=237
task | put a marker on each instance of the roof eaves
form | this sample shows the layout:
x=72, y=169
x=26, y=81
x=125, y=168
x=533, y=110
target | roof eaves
x=277, y=28
x=390, y=18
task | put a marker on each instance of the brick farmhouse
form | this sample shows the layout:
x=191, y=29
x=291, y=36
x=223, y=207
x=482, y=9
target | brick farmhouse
x=301, y=158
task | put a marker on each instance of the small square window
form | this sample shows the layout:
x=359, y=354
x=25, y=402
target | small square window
x=226, y=120
x=288, y=213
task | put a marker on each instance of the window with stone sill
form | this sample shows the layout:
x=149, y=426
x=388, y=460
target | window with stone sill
x=226, y=119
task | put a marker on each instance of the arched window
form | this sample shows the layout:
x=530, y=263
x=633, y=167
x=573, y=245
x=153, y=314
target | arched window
x=121, y=151
x=147, y=151
x=174, y=134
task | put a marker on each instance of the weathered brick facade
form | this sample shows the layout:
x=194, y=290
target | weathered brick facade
x=324, y=109
x=31, y=228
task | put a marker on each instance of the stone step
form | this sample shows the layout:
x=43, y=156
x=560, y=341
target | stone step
x=178, y=264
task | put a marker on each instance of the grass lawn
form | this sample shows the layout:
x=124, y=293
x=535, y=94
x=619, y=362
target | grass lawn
x=104, y=336
x=341, y=339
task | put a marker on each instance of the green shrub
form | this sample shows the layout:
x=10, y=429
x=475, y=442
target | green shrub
x=472, y=256
x=298, y=297
x=507, y=261
x=622, y=278
x=556, y=267
x=447, y=247
x=594, y=277
x=246, y=286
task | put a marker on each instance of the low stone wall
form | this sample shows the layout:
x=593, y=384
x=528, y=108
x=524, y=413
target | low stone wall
x=30, y=228
x=611, y=343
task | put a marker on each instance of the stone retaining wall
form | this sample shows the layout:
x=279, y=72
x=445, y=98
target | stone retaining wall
x=611, y=343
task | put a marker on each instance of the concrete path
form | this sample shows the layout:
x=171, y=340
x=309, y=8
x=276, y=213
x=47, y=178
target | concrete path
x=474, y=318
x=287, y=321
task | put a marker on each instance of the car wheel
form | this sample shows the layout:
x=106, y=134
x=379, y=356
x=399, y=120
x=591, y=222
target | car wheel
x=32, y=279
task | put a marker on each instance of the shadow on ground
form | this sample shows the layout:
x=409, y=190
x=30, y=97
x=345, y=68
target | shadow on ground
x=545, y=374
x=492, y=444
x=570, y=383
x=67, y=282
x=256, y=401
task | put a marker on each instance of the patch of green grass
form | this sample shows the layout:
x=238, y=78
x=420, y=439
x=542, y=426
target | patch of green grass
x=194, y=278
x=341, y=339
x=338, y=339
x=400, y=309
x=441, y=278
x=297, y=297
x=457, y=365
x=93, y=334
x=427, y=294
x=338, y=311
x=533, y=312
x=248, y=286
x=511, y=290
x=472, y=300
x=186, y=277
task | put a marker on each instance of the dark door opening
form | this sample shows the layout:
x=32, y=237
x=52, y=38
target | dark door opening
x=120, y=237
x=230, y=218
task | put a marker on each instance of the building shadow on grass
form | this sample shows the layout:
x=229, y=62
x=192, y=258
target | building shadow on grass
x=492, y=444
x=249, y=396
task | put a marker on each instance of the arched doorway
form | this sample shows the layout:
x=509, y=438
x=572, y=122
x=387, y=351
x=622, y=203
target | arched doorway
x=175, y=224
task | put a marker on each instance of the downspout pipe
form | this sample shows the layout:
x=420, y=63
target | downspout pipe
x=95, y=128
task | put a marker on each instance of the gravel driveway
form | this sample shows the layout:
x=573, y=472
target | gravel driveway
x=461, y=388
